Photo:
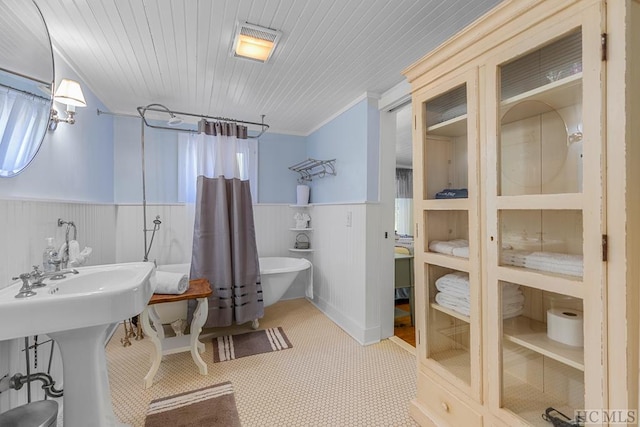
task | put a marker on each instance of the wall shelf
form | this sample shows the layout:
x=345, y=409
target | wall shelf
x=532, y=334
x=300, y=250
x=312, y=167
x=301, y=229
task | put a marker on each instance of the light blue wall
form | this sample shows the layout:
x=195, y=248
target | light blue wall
x=276, y=152
x=373, y=150
x=352, y=139
x=98, y=159
x=75, y=163
x=161, y=163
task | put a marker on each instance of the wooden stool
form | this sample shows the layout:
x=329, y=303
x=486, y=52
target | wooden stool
x=198, y=289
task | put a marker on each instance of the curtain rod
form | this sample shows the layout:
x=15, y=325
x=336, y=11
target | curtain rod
x=162, y=109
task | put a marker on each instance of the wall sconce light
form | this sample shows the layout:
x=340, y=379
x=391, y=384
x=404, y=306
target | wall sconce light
x=69, y=92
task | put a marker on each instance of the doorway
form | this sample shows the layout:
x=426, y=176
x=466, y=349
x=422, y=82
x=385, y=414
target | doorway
x=404, y=319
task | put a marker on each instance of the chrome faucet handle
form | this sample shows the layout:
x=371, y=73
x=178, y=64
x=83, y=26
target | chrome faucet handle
x=25, y=291
x=37, y=276
x=60, y=274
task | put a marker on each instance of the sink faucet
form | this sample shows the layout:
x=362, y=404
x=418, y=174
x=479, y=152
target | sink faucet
x=25, y=291
x=38, y=276
x=34, y=280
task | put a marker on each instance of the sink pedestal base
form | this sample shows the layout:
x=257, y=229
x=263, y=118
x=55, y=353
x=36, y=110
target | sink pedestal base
x=87, y=397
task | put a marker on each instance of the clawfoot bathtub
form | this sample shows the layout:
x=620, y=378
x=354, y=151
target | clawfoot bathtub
x=276, y=274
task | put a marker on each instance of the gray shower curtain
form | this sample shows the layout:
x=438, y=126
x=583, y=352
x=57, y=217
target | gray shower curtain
x=225, y=251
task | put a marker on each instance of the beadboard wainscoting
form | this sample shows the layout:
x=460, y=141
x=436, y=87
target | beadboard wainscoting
x=24, y=225
x=351, y=282
x=347, y=277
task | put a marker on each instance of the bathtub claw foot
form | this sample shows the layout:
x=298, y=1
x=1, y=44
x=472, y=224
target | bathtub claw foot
x=255, y=324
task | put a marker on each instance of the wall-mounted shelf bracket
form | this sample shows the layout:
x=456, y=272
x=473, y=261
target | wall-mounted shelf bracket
x=312, y=167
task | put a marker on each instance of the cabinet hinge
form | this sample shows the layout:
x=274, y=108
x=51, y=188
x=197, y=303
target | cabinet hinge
x=415, y=122
x=418, y=336
x=417, y=234
x=603, y=46
x=605, y=248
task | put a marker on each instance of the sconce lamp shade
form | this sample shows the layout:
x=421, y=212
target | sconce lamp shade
x=69, y=92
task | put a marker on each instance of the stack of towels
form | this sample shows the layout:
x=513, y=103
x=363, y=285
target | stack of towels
x=171, y=283
x=552, y=262
x=456, y=247
x=512, y=300
x=453, y=293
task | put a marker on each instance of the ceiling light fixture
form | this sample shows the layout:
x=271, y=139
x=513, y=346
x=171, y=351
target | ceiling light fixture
x=70, y=93
x=254, y=42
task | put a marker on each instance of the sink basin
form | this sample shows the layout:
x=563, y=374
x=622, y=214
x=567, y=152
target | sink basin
x=98, y=295
x=76, y=312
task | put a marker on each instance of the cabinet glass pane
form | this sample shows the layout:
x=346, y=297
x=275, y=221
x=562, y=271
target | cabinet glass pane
x=542, y=240
x=445, y=145
x=448, y=329
x=542, y=352
x=540, y=146
x=448, y=232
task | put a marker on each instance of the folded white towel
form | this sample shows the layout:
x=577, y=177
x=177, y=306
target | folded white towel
x=453, y=303
x=447, y=247
x=514, y=299
x=512, y=310
x=513, y=257
x=456, y=277
x=556, y=258
x=457, y=282
x=571, y=271
x=462, y=252
x=555, y=263
x=171, y=283
x=456, y=293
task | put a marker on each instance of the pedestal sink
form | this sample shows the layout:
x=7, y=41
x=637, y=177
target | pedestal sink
x=76, y=312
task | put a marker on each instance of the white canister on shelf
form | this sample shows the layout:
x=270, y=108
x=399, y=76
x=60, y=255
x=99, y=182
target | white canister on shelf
x=302, y=195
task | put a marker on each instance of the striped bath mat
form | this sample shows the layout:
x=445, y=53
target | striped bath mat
x=209, y=406
x=236, y=346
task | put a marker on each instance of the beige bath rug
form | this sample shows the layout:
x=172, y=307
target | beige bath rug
x=232, y=347
x=209, y=406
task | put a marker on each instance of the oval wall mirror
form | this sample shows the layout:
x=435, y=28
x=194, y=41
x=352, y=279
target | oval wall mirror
x=26, y=84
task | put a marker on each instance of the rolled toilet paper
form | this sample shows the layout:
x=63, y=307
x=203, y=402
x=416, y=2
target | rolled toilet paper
x=565, y=325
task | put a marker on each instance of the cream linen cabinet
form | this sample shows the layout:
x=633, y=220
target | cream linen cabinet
x=522, y=123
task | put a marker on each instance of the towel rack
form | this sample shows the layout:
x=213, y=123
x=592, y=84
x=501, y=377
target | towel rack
x=312, y=167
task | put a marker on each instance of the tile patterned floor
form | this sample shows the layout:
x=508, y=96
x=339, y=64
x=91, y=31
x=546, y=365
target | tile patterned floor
x=326, y=379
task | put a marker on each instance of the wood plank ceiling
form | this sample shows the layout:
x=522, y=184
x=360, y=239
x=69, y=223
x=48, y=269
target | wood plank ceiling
x=176, y=52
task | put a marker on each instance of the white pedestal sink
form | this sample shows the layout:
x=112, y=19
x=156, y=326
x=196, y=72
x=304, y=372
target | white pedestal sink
x=76, y=312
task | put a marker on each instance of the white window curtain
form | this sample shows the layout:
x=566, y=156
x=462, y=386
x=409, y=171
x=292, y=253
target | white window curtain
x=201, y=154
x=20, y=115
x=404, y=217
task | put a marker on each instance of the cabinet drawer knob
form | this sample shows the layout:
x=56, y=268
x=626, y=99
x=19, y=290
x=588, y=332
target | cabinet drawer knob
x=445, y=406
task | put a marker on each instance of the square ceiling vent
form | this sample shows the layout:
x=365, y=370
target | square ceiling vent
x=254, y=42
